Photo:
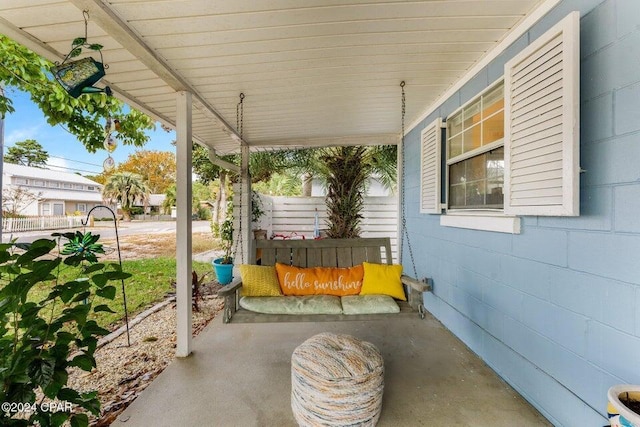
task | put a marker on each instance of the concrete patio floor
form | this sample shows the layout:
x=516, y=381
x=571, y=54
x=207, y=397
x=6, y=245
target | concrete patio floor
x=239, y=375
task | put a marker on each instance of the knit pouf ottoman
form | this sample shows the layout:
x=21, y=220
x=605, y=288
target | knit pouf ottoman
x=336, y=380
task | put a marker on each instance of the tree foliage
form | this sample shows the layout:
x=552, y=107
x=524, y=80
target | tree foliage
x=280, y=184
x=202, y=166
x=262, y=164
x=27, y=153
x=157, y=168
x=128, y=189
x=83, y=117
x=16, y=199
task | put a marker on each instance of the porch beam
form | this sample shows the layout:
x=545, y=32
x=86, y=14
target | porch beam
x=183, y=223
x=213, y=158
x=53, y=55
x=331, y=141
x=110, y=22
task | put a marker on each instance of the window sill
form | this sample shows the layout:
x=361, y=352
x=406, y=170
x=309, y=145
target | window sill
x=485, y=221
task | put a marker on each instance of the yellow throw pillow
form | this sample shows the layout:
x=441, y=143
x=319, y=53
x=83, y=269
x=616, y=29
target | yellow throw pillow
x=382, y=279
x=259, y=281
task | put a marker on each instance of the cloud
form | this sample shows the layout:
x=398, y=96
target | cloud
x=21, y=135
x=58, y=164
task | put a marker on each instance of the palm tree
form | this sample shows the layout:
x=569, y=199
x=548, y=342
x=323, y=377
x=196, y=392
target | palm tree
x=127, y=189
x=170, y=199
x=345, y=171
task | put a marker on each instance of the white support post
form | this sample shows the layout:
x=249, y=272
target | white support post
x=400, y=189
x=245, y=214
x=183, y=224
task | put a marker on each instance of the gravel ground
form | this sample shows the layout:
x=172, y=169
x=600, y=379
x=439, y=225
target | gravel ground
x=123, y=372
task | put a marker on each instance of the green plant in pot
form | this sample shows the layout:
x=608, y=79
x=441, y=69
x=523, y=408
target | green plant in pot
x=223, y=266
x=256, y=214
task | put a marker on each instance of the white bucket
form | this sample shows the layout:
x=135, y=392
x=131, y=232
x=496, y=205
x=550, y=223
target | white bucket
x=619, y=414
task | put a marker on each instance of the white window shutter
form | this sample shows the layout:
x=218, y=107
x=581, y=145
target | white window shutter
x=430, y=167
x=542, y=115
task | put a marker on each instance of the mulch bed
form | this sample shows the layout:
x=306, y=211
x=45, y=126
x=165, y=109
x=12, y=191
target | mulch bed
x=123, y=372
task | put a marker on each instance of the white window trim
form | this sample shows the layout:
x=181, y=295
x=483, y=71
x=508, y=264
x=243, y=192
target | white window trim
x=478, y=219
x=481, y=220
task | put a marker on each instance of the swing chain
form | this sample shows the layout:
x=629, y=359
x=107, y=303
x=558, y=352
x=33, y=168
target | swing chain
x=402, y=193
x=240, y=128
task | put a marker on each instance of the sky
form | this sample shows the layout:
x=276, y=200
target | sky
x=66, y=153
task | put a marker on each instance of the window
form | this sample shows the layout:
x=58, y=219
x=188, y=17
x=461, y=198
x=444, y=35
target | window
x=46, y=209
x=475, y=153
x=81, y=207
x=38, y=183
x=21, y=181
x=514, y=148
x=54, y=184
x=91, y=188
x=79, y=187
x=67, y=185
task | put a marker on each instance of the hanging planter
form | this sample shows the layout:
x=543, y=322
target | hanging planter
x=624, y=405
x=79, y=76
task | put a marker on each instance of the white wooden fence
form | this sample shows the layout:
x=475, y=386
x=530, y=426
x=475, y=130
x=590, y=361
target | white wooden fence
x=13, y=225
x=293, y=217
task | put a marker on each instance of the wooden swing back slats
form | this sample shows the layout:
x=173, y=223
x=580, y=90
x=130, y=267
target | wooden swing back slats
x=325, y=252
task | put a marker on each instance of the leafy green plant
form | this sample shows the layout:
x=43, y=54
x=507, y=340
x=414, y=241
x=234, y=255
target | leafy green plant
x=41, y=338
x=82, y=246
x=256, y=207
x=226, y=238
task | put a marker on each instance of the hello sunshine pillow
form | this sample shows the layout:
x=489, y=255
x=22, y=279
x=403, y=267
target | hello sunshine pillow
x=319, y=280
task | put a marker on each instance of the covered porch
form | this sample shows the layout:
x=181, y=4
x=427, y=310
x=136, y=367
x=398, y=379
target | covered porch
x=318, y=75
x=549, y=298
x=240, y=375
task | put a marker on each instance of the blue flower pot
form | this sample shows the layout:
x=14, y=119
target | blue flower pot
x=224, y=272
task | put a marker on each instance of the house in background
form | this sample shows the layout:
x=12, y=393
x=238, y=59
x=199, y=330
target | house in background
x=47, y=192
x=155, y=203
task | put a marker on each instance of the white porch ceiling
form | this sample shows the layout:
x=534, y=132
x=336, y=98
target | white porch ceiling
x=313, y=71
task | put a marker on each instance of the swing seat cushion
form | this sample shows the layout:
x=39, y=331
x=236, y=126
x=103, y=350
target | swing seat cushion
x=310, y=304
x=369, y=304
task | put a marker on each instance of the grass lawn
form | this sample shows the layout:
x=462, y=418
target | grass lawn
x=153, y=272
x=151, y=281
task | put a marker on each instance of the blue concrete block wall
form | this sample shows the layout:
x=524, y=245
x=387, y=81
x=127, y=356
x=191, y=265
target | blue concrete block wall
x=554, y=310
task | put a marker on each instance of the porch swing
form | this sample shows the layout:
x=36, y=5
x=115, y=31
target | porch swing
x=329, y=253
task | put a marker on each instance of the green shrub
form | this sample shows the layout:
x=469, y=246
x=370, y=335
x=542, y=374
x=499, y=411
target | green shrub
x=41, y=338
